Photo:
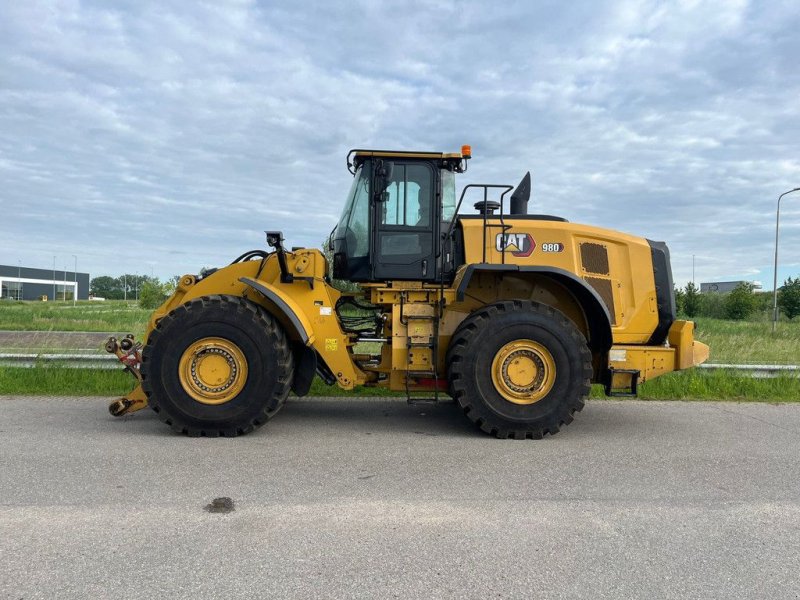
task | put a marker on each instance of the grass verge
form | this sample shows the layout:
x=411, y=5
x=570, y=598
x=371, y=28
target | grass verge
x=750, y=342
x=696, y=384
x=685, y=385
x=113, y=316
x=63, y=381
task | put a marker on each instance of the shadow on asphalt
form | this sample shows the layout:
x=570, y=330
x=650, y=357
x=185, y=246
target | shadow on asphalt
x=378, y=416
x=335, y=416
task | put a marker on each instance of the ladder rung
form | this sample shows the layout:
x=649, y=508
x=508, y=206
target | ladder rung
x=431, y=343
x=412, y=400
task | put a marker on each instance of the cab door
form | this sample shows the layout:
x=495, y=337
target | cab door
x=405, y=223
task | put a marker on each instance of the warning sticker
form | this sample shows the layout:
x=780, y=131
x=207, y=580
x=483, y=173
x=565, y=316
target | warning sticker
x=617, y=356
x=325, y=311
x=331, y=344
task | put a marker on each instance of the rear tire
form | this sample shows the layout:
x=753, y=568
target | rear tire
x=519, y=369
x=217, y=365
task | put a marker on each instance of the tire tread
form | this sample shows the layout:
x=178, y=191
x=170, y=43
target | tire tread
x=194, y=309
x=461, y=389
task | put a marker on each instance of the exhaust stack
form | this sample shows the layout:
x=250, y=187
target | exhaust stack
x=521, y=195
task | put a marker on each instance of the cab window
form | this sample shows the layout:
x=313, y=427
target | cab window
x=408, y=197
x=358, y=219
x=448, y=195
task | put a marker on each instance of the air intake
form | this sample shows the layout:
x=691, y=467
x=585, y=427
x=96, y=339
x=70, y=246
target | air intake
x=606, y=292
x=486, y=207
x=594, y=258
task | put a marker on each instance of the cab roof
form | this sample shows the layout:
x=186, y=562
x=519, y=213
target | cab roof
x=361, y=154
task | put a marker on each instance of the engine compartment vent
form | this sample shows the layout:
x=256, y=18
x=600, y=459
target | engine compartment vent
x=594, y=258
x=606, y=292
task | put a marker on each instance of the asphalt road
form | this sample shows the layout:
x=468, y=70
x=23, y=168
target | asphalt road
x=374, y=498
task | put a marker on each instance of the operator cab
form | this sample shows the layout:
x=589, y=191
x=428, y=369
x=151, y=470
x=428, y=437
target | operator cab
x=398, y=208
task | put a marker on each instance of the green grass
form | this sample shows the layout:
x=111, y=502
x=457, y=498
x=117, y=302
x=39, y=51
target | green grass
x=109, y=316
x=749, y=342
x=686, y=385
x=696, y=384
x=57, y=380
x=62, y=381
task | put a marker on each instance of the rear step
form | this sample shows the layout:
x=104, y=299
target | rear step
x=422, y=375
x=412, y=400
x=626, y=392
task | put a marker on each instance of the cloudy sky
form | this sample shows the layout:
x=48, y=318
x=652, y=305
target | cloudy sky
x=163, y=137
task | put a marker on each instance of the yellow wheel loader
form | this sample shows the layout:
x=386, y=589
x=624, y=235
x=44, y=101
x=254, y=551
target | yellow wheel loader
x=513, y=315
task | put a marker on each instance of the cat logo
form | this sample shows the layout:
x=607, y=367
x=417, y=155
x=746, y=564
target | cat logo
x=518, y=244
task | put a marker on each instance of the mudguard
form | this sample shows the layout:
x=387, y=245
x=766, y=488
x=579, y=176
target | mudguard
x=285, y=309
x=598, y=318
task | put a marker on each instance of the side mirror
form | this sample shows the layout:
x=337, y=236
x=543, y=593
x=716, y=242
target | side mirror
x=274, y=239
x=383, y=176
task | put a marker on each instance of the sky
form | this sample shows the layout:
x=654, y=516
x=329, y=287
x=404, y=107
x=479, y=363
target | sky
x=163, y=137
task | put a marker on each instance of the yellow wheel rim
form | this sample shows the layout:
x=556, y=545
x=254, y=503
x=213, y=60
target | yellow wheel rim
x=213, y=370
x=523, y=371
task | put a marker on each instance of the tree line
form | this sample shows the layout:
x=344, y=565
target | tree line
x=739, y=304
x=149, y=292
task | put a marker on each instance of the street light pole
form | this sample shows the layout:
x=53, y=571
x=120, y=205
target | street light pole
x=75, y=293
x=54, y=279
x=775, y=277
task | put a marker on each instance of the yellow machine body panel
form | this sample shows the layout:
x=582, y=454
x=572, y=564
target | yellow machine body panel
x=682, y=352
x=304, y=307
x=616, y=265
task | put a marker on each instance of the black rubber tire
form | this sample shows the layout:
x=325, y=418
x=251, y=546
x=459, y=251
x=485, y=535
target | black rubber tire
x=270, y=365
x=478, y=339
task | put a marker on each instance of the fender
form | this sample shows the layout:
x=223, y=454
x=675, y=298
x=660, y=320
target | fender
x=597, y=315
x=305, y=367
x=285, y=308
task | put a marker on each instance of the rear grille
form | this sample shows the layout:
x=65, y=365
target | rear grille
x=604, y=289
x=594, y=258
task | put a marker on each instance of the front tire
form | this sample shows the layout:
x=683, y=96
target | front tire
x=519, y=369
x=217, y=365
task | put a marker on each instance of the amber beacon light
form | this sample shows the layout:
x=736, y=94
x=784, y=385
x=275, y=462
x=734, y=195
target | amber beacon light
x=466, y=151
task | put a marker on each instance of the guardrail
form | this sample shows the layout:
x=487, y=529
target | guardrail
x=109, y=361
x=758, y=371
x=73, y=361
